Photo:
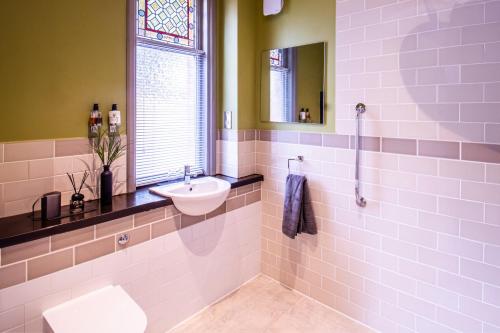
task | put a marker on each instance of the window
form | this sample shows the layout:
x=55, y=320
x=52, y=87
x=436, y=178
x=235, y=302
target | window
x=172, y=117
x=280, y=87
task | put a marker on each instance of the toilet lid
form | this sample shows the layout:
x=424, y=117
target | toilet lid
x=106, y=310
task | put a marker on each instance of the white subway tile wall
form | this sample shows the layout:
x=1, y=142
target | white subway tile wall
x=31, y=168
x=236, y=152
x=423, y=256
x=172, y=276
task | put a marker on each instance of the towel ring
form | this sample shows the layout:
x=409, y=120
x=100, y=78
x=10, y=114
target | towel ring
x=299, y=158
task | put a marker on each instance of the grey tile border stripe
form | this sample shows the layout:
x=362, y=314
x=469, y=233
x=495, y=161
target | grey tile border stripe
x=369, y=143
x=479, y=152
x=488, y=153
x=445, y=149
x=399, y=146
x=336, y=141
x=313, y=139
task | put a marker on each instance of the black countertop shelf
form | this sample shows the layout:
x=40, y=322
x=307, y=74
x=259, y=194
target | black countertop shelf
x=22, y=228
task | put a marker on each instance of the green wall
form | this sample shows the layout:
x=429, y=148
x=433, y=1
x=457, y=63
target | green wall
x=237, y=49
x=244, y=32
x=228, y=59
x=247, y=25
x=300, y=22
x=58, y=58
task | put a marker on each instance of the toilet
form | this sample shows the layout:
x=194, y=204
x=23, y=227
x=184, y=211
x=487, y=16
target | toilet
x=106, y=310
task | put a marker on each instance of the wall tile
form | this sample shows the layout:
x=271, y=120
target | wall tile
x=136, y=236
x=41, y=168
x=481, y=33
x=492, y=52
x=481, y=152
x=149, y=216
x=465, y=54
x=94, y=249
x=492, y=92
x=24, y=251
x=15, y=171
x=460, y=93
x=382, y=30
x=29, y=150
x=462, y=209
x=11, y=319
x=480, y=73
x=12, y=274
x=460, y=284
x=461, y=170
x=67, y=239
x=439, y=38
x=439, y=149
x=460, y=247
x=114, y=226
x=27, y=189
x=399, y=146
x=492, y=133
x=166, y=226
x=461, y=16
x=235, y=203
x=49, y=263
x=480, y=112
x=313, y=139
x=187, y=220
x=71, y=147
x=337, y=141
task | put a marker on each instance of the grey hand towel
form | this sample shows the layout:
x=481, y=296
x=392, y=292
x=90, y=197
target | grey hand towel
x=298, y=215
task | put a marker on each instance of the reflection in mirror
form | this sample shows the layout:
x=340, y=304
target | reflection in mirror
x=292, y=84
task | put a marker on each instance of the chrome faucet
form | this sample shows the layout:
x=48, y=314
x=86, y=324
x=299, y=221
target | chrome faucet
x=187, y=175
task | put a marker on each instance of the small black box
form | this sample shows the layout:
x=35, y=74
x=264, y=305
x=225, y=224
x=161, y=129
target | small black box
x=51, y=206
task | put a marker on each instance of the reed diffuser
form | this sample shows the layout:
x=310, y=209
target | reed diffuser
x=77, y=203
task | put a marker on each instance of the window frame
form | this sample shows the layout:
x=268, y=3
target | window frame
x=205, y=42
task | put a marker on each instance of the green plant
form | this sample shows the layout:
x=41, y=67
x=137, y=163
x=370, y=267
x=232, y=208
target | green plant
x=109, y=148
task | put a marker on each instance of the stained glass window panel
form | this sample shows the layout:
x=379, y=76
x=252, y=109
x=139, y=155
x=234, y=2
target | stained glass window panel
x=169, y=21
x=276, y=57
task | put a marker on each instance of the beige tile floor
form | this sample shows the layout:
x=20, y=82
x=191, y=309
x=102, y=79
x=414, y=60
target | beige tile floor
x=263, y=305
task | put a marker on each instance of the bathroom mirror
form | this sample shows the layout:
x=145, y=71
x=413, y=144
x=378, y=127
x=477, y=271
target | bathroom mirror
x=292, y=84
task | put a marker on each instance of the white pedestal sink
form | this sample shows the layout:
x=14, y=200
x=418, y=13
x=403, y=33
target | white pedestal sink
x=200, y=197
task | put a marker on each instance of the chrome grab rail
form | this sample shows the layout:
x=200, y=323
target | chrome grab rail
x=360, y=201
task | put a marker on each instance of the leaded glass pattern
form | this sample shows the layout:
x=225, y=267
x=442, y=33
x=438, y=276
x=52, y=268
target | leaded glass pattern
x=169, y=21
x=276, y=57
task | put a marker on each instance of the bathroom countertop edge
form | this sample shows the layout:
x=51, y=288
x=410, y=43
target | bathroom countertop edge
x=22, y=228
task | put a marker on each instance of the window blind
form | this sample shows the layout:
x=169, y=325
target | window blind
x=170, y=113
x=279, y=94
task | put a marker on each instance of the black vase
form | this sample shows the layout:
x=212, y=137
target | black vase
x=106, y=186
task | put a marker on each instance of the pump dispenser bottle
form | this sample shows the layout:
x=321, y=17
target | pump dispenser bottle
x=95, y=121
x=114, y=120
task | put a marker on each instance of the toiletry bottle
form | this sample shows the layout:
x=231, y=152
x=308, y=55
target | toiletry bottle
x=95, y=121
x=114, y=120
x=308, y=116
x=302, y=115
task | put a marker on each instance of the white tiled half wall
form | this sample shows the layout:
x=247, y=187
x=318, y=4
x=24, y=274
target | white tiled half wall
x=424, y=255
x=171, y=277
